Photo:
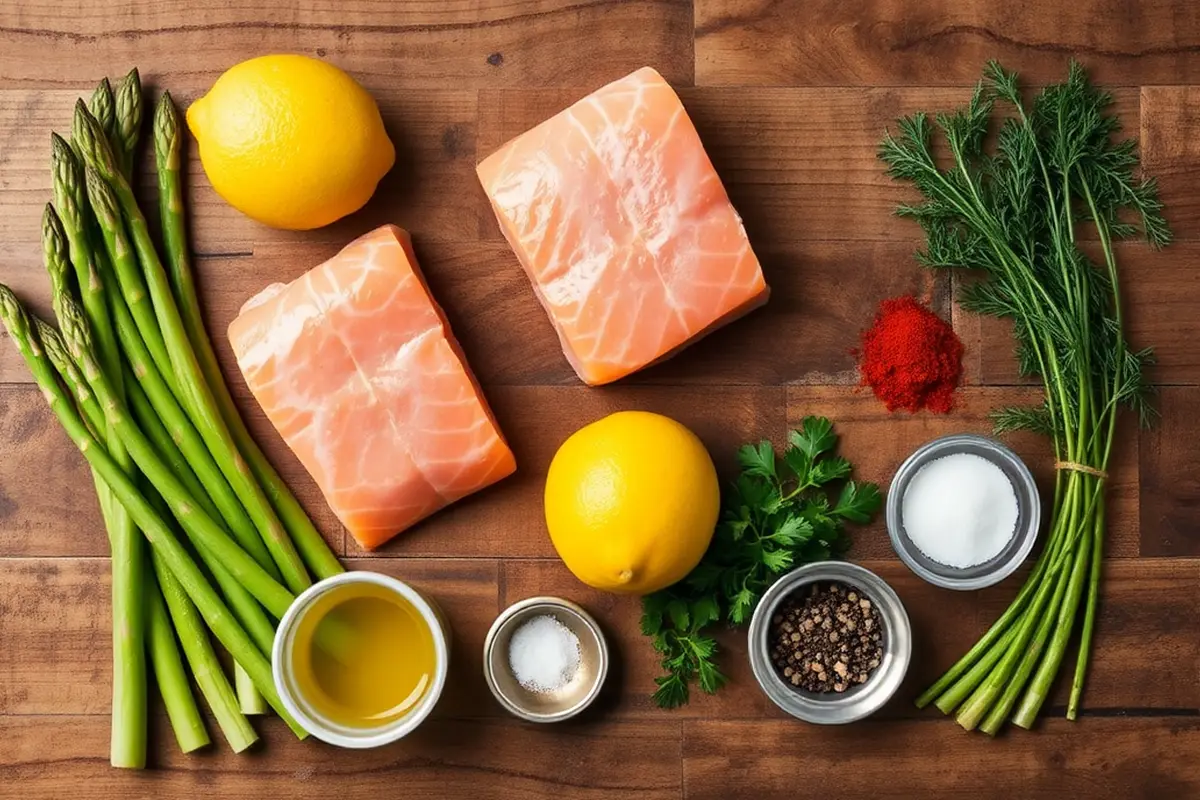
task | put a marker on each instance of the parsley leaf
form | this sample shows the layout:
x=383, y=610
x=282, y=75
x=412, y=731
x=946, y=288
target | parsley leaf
x=814, y=438
x=775, y=515
x=758, y=461
x=857, y=503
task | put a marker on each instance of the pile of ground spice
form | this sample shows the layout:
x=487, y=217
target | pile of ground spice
x=826, y=639
x=911, y=358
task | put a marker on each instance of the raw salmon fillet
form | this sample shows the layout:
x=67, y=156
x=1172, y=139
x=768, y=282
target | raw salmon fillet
x=624, y=228
x=356, y=367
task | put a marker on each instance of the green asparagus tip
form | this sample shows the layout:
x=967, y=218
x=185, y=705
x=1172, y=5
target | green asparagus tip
x=60, y=149
x=103, y=106
x=129, y=109
x=166, y=132
x=53, y=344
x=100, y=195
x=51, y=225
x=54, y=250
x=93, y=145
x=75, y=330
x=65, y=166
x=13, y=315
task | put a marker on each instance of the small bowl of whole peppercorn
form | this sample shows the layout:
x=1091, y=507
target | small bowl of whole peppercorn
x=830, y=642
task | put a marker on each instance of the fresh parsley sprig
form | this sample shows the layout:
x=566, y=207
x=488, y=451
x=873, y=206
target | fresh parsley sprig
x=779, y=513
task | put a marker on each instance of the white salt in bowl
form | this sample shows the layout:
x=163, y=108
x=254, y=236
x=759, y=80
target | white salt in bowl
x=563, y=702
x=1004, y=563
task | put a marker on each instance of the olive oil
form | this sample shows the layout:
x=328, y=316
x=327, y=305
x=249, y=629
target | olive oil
x=386, y=657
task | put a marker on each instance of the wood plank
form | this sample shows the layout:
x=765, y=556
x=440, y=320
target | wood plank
x=876, y=442
x=422, y=44
x=48, y=503
x=904, y=759
x=1170, y=151
x=506, y=521
x=1140, y=630
x=799, y=163
x=55, y=621
x=487, y=759
x=1170, y=476
x=885, y=43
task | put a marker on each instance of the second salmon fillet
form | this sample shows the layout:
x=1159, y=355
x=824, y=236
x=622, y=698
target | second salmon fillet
x=356, y=367
x=618, y=217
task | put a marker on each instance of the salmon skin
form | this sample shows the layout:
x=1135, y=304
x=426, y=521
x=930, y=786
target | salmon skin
x=356, y=367
x=619, y=219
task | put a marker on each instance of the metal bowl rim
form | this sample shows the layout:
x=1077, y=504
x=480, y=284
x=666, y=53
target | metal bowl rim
x=550, y=603
x=899, y=644
x=1027, y=492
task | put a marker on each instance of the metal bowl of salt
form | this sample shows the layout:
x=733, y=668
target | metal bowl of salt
x=552, y=703
x=1014, y=552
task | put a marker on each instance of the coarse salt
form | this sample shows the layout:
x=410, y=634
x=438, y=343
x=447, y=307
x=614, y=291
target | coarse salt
x=543, y=654
x=960, y=510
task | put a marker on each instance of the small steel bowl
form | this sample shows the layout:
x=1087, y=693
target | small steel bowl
x=1029, y=514
x=546, y=706
x=859, y=701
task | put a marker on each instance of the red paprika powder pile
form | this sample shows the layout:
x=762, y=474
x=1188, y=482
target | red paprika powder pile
x=910, y=357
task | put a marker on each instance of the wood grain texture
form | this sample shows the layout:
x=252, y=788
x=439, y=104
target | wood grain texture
x=1170, y=464
x=791, y=98
x=943, y=42
x=901, y=759
x=488, y=759
x=422, y=44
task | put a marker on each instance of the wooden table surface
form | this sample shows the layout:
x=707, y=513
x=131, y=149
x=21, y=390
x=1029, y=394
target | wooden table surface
x=791, y=98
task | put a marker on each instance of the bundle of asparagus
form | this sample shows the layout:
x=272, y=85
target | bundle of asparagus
x=133, y=378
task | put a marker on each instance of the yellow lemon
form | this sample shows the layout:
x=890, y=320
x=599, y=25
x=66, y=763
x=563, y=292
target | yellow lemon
x=631, y=502
x=291, y=141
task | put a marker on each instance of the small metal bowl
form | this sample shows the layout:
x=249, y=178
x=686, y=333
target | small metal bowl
x=546, y=706
x=1029, y=514
x=859, y=701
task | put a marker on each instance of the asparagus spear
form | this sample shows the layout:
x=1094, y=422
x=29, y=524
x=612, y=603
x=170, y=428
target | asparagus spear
x=203, y=660
x=168, y=147
x=171, y=675
x=127, y=128
x=158, y=533
x=129, y=712
x=103, y=107
x=194, y=390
